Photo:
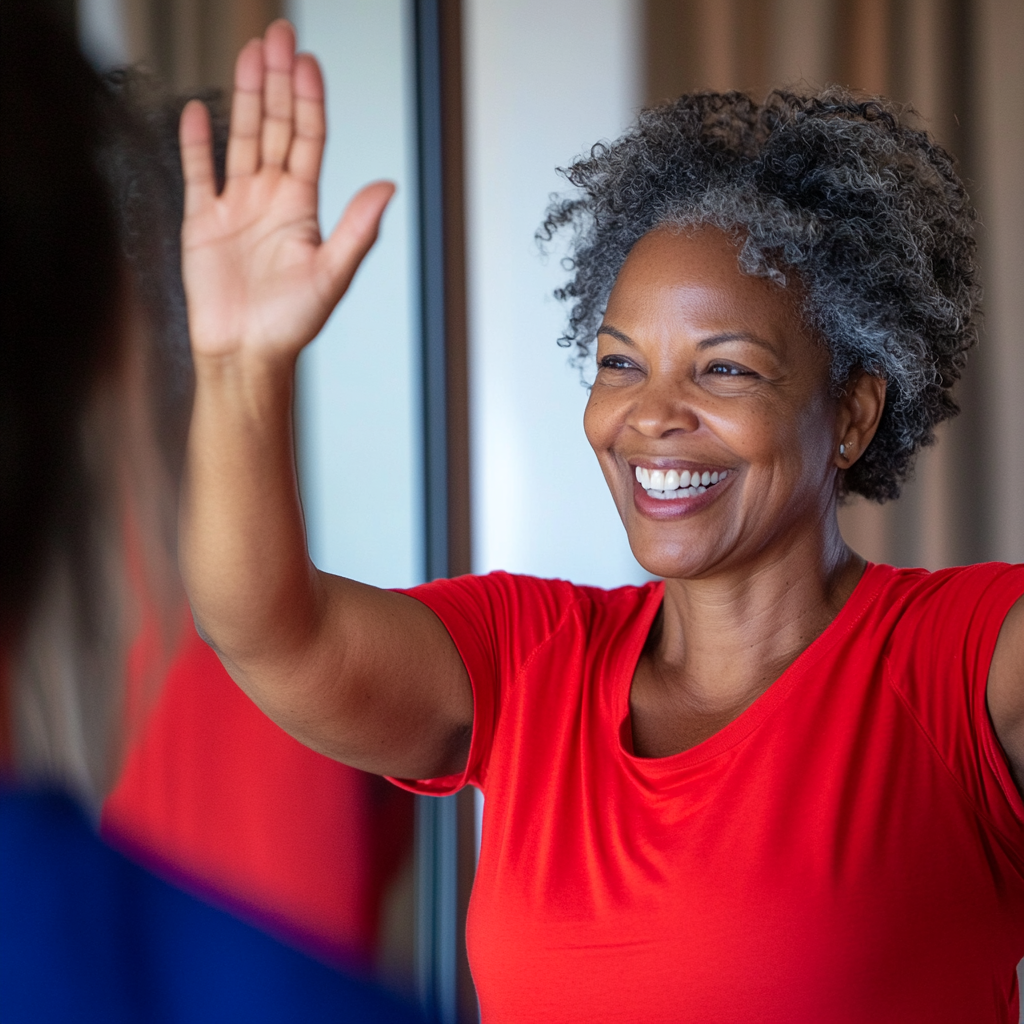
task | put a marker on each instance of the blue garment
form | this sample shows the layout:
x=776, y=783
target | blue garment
x=86, y=935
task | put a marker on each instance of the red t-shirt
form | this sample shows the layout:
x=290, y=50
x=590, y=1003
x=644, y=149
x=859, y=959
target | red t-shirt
x=850, y=848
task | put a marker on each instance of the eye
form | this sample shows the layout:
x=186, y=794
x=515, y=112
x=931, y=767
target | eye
x=616, y=363
x=729, y=370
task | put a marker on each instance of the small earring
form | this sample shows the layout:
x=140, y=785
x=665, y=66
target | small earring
x=842, y=449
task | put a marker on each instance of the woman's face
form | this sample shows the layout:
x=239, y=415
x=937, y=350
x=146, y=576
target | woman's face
x=708, y=373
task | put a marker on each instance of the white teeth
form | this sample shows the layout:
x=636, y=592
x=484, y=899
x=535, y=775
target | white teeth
x=680, y=492
x=670, y=484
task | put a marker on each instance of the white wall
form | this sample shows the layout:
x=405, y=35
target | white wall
x=544, y=80
x=101, y=32
x=360, y=440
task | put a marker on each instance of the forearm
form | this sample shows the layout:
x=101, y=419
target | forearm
x=244, y=561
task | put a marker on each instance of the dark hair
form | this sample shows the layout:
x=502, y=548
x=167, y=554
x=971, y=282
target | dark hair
x=864, y=209
x=59, y=273
x=142, y=165
x=96, y=386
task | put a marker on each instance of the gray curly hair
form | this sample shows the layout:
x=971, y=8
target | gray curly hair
x=865, y=210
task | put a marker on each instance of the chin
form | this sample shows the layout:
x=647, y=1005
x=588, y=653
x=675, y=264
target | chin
x=674, y=561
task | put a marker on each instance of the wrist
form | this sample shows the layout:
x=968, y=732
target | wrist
x=243, y=364
x=254, y=381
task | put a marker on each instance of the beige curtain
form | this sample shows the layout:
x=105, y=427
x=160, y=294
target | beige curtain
x=960, y=64
x=192, y=44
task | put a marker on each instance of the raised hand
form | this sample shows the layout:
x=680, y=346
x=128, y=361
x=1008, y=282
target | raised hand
x=258, y=277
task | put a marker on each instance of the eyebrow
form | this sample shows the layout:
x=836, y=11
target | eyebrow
x=614, y=332
x=717, y=339
x=721, y=339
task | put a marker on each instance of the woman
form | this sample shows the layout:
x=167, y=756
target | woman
x=85, y=933
x=780, y=785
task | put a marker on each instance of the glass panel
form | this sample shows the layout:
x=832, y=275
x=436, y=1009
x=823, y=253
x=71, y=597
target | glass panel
x=360, y=438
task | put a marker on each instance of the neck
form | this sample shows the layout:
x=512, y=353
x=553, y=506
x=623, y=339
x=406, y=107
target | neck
x=726, y=637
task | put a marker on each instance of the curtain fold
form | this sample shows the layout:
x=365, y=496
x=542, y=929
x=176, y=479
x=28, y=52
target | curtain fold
x=958, y=63
x=192, y=44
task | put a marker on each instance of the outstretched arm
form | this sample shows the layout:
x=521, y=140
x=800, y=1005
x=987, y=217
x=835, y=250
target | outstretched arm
x=366, y=676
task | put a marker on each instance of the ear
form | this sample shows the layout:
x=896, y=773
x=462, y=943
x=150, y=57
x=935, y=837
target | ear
x=858, y=416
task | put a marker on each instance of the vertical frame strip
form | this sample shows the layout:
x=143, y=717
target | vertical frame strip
x=443, y=871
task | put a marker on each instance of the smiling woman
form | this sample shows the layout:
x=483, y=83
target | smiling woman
x=697, y=344
x=745, y=792
x=866, y=212
x=710, y=374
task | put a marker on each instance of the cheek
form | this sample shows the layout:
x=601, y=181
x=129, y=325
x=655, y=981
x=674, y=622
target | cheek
x=786, y=440
x=598, y=422
x=750, y=428
x=813, y=428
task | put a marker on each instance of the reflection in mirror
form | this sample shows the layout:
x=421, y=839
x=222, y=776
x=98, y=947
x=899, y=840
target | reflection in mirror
x=210, y=787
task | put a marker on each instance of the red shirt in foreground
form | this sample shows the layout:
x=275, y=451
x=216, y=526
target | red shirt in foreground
x=849, y=849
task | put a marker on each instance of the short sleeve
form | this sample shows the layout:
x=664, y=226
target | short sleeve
x=496, y=622
x=939, y=662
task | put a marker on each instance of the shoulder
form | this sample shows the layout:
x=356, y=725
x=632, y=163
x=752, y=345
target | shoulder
x=531, y=607
x=912, y=598
x=83, y=929
x=940, y=624
x=45, y=835
x=936, y=634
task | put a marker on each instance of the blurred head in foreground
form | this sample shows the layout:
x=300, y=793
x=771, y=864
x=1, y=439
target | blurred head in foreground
x=93, y=383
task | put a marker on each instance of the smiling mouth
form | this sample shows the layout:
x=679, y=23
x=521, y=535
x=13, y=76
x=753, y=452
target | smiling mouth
x=671, y=485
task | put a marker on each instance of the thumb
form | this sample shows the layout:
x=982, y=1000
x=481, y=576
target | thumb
x=353, y=236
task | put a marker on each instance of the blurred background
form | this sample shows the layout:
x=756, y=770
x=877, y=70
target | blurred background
x=436, y=410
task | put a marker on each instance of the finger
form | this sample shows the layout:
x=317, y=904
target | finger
x=351, y=240
x=278, y=125
x=195, y=138
x=246, y=112
x=310, y=125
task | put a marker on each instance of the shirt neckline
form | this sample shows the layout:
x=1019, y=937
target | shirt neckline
x=751, y=717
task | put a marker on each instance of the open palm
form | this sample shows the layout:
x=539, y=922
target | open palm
x=258, y=277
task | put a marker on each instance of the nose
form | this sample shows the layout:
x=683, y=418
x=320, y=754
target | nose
x=664, y=406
